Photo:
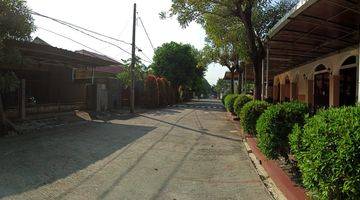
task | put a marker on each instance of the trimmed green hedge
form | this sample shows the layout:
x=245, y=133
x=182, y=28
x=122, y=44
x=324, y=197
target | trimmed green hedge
x=229, y=102
x=250, y=113
x=274, y=126
x=239, y=103
x=223, y=98
x=327, y=149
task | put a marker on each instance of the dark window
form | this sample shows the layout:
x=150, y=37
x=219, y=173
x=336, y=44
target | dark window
x=349, y=61
x=320, y=68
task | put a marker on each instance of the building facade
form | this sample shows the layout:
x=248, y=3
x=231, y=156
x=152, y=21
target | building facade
x=313, y=54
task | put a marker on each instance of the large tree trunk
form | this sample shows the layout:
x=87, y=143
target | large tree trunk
x=256, y=51
x=258, y=82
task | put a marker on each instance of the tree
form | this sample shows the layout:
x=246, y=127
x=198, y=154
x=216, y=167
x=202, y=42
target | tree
x=222, y=86
x=140, y=72
x=256, y=17
x=8, y=83
x=202, y=87
x=16, y=23
x=224, y=37
x=176, y=62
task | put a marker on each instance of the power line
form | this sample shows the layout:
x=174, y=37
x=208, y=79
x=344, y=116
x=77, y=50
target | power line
x=83, y=32
x=147, y=35
x=58, y=34
x=91, y=31
x=149, y=60
x=78, y=28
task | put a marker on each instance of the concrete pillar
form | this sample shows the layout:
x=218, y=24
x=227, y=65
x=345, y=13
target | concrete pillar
x=282, y=92
x=293, y=92
x=334, y=90
x=310, y=92
x=22, y=107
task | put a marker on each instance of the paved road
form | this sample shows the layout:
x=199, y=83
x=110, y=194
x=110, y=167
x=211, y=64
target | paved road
x=184, y=152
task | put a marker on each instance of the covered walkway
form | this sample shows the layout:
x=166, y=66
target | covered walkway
x=313, y=53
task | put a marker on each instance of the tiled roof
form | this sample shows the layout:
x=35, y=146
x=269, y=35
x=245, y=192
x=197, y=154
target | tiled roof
x=113, y=69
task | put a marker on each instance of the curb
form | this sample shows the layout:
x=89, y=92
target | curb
x=276, y=180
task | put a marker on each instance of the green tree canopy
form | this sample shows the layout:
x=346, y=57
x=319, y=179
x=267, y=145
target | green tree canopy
x=251, y=20
x=140, y=72
x=222, y=86
x=177, y=62
x=202, y=87
x=15, y=23
x=15, y=20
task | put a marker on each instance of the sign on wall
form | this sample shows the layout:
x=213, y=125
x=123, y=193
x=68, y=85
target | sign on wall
x=82, y=74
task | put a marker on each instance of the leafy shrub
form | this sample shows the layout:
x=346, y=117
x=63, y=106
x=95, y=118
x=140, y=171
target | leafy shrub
x=250, y=113
x=163, y=93
x=229, y=102
x=327, y=149
x=269, y=100
x=274, y=126
x=151, y=90
x=223, y=98
x=239, y=102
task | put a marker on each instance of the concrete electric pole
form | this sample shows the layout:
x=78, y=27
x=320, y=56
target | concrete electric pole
x=132, y=66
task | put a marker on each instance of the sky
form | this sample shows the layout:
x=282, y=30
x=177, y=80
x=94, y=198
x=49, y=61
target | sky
x=114, y=18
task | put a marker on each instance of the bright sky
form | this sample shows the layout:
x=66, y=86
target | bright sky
x=114, y=18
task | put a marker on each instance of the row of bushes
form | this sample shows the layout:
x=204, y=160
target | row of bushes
x=158, y=92
x=327, y=149
x=326, y=146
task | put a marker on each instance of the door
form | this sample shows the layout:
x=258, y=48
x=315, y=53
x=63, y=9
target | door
x=321, y=90
x=348, y=86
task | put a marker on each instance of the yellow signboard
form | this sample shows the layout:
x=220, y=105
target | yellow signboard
x=80, y=74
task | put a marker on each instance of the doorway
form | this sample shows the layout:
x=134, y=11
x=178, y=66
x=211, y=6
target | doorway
x=287, y=89
x=348, y=77
x=321, y=87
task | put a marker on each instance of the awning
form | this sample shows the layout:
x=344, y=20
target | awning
x=48, y=55
x=311, y=30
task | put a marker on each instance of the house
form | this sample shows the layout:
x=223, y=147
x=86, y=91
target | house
x=106, y=92
x=52, y=79
x=313, y=54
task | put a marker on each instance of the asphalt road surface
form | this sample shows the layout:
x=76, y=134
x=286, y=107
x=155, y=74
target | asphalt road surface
x=188, y=151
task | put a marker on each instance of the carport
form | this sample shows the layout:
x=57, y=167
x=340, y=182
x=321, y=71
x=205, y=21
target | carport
x=312, y=31
x=52, y=79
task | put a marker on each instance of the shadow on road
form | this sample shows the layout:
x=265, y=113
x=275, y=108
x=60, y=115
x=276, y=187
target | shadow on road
x=31, y=161
x=191, y=129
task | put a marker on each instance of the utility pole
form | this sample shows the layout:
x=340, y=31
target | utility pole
x=133, y=60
